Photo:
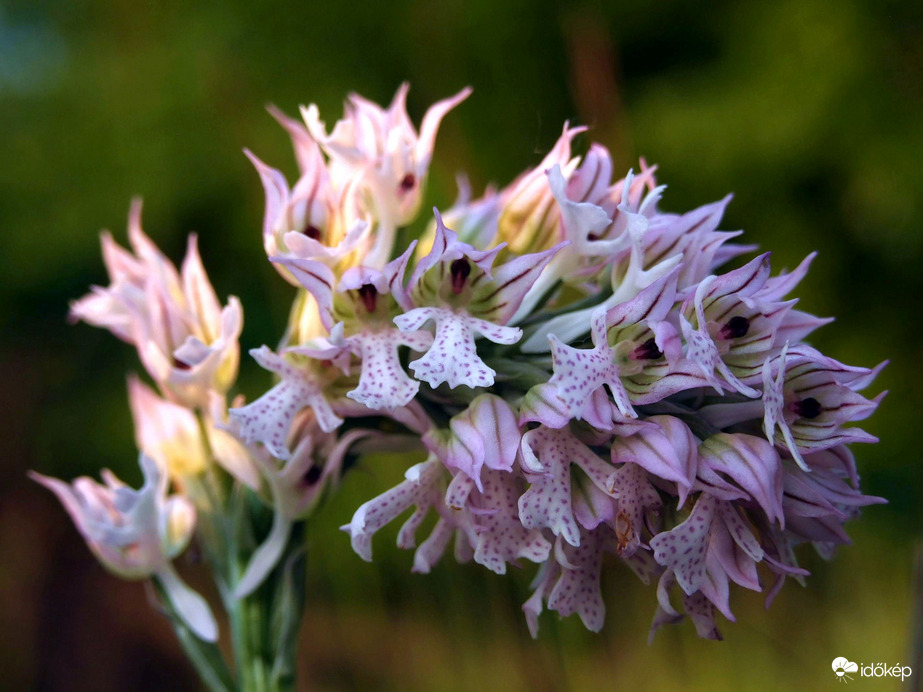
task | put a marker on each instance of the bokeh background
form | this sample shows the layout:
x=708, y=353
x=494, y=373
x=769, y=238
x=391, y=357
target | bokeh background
x=810, y=111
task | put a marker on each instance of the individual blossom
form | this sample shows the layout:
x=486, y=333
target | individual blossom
x=733, y=322
x=310, y=220
x=422, y=488
x=808, y=398
x=629, y=268
x=381, y=149
x=136, y=534
x=168, y=433
x=359, y=313
x=268, y=420
x=185, y=339
x=358, y=316
x=459, y=289
x=570, y=582
x=491, y=521
x=529, y=221
x=636, y=356
x=548, y=457
x=486, y=433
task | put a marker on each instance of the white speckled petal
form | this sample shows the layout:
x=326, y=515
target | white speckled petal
x=682, y=549
x=420, y=489
x=577, y=590
x=501, y=537
x=383, y=384
x=547, y=503
x=453, y=357
x=269, y=418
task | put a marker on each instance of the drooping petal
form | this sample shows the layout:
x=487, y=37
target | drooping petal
x=192, y=609
x=265, y=557
x=577, y=589
x=682, y=549
x=419, y=488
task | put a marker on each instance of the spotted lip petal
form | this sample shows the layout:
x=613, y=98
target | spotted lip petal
x=383, y=384
x=714, y=545
x=500, y=536
x=269, y=419
x=579, y=373
x=577, y=590
x=547, y=502
x=465, y=301
x=420, y=488
x=453, y=356
x=683, y=548
x=547, y=459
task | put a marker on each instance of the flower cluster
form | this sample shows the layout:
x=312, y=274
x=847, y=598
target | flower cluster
x=573, y=378
x=582, y=379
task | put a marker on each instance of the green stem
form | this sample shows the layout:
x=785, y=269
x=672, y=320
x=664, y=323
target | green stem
x=249, y=653
x=264, y=624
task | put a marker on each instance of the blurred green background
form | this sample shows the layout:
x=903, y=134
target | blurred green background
x=810, y=111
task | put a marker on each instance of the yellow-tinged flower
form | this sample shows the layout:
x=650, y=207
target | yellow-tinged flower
x=185, y=339
x=168, y=433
